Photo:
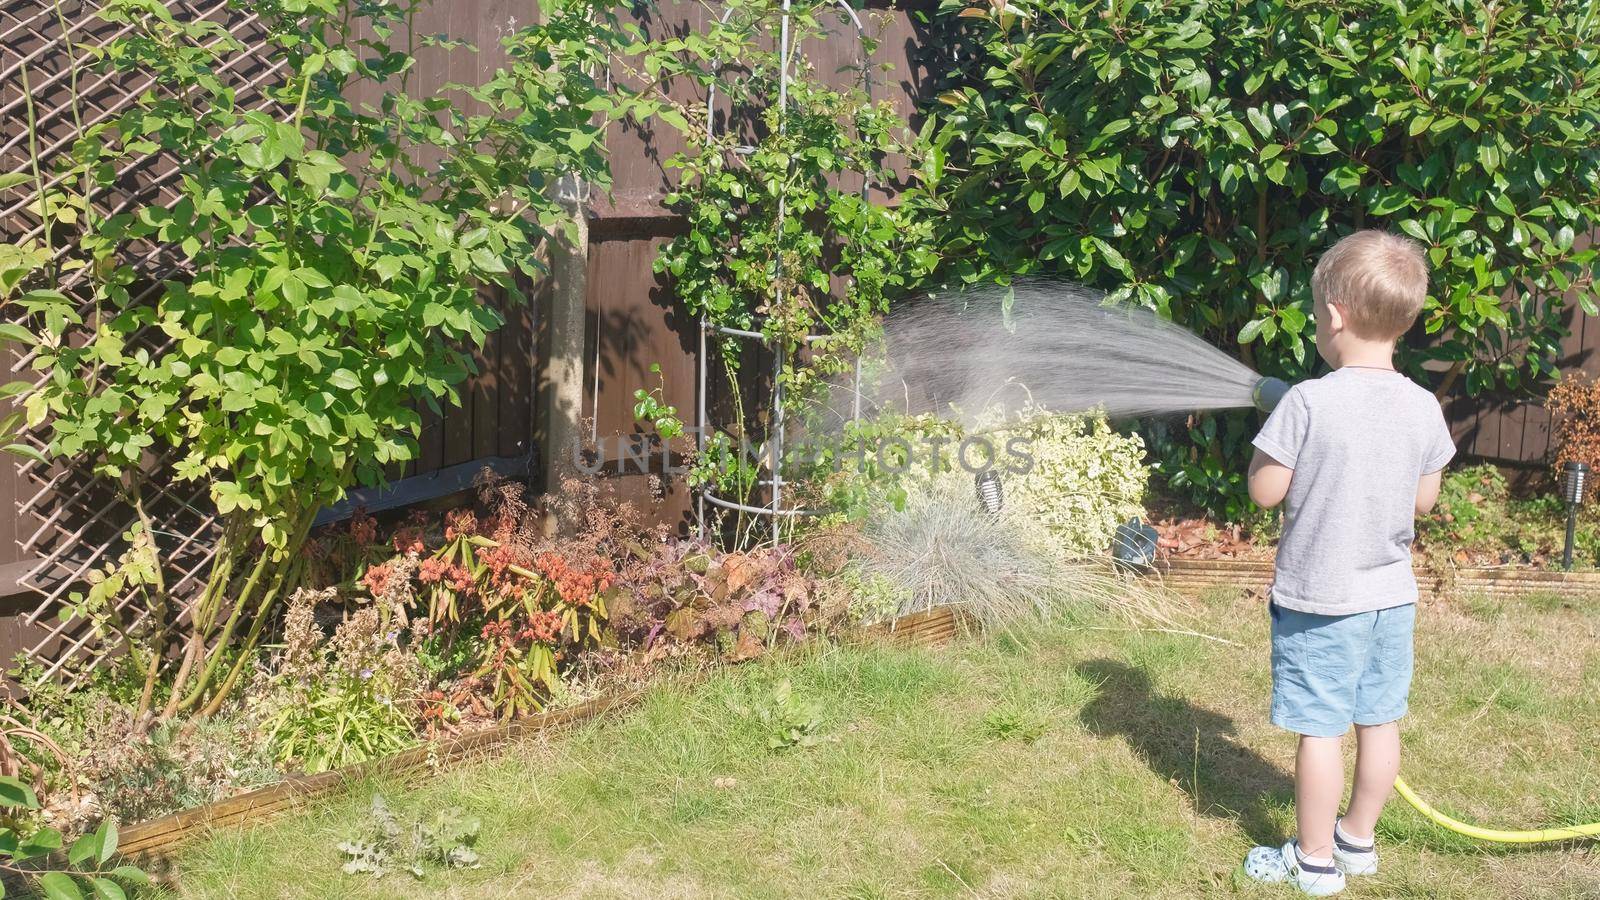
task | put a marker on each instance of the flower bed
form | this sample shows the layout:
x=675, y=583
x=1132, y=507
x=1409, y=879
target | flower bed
x=153, y=842
x=413, y=635
x=1478, y=523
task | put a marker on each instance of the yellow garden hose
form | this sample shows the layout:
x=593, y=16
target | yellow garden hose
x=1574, y=832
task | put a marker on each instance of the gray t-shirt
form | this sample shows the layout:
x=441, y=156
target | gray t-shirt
x=1358, y=441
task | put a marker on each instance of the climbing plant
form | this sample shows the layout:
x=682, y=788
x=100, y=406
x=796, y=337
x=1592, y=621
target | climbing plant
x=1196, y=158
x=781, y=238
x=334, y=251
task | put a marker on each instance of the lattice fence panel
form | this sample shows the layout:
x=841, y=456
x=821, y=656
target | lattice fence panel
x=75, y=521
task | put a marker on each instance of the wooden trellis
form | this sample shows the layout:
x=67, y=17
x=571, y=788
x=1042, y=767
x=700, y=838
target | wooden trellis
x=69, y=521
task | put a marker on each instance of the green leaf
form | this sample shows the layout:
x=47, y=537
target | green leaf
x=83, y=848
x=312, y=278
x=14, y=793
x=25, y=451
x=131, y=875
x=488, y=261
x=344, y=380
x=108, y=840
x=387, y=267
x=106, y=889
x=12, y=179
x=1294, y=319
x=1116, y=126
x=59, y=886
x=294, y=291
x=1251, y=330
x=1258, y=120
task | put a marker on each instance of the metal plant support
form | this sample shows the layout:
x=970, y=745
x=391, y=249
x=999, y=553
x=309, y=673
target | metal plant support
x=774, y=455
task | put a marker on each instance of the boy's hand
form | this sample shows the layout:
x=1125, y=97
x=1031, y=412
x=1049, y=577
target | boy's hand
x=1269, y=481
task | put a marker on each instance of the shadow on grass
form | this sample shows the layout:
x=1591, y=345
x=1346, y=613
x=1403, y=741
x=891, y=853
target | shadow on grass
x=1191, y=747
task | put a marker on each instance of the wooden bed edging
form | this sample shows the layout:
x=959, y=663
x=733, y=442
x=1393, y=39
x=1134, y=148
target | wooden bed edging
x=928, y=628
x=1194, y=575
x=153, y=842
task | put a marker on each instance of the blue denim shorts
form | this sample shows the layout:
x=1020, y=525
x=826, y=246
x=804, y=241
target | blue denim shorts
x=1331, y=671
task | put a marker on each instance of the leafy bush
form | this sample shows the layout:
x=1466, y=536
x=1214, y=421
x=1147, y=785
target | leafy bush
x=343, y=700
x=779, y=237
x=1086, y=479
x=738, y=603
x=1072, y=474
x=173, y=767
x=1196, y=158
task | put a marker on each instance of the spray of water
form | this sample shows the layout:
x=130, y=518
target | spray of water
x=1061, y=346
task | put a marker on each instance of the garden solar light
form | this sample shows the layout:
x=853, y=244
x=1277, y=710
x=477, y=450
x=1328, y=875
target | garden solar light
x=1134, y=544
x=1572, y=491
x=990, y=493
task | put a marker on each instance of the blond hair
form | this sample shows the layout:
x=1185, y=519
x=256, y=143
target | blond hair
x=1377, y=279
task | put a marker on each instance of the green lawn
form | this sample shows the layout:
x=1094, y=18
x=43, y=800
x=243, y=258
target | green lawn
x=1071, y=763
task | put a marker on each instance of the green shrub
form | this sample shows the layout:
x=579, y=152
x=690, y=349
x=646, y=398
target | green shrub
x=1196, y=158
x=1086, y=479
x=1073, y=475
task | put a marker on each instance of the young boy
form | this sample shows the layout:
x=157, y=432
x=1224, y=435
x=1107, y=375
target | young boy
x=1356, y=455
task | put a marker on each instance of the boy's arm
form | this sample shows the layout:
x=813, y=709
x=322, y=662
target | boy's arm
x=1269, y=481
x=1428, y=491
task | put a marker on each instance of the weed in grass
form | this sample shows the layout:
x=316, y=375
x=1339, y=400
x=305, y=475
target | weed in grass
x=1013, y=723
x=387, y=844
x=787, y=720
x=1485, y=608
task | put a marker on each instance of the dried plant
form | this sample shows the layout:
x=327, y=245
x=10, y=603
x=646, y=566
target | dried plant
x=1575, y=404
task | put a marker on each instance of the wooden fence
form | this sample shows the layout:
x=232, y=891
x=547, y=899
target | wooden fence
x=64, y=523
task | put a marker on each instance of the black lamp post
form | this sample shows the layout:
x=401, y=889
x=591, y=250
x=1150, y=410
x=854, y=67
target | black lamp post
x=1572, y=491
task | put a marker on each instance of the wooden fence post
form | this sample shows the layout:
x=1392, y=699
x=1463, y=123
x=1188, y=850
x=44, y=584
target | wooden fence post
x=569, y=269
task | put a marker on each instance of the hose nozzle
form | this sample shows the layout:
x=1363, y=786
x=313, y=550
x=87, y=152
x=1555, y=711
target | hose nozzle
x=1268, y=392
